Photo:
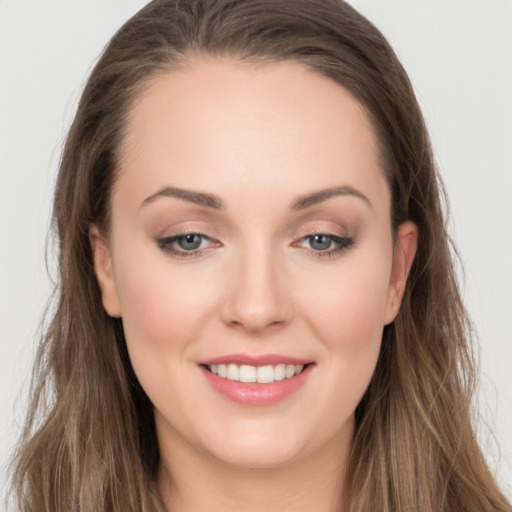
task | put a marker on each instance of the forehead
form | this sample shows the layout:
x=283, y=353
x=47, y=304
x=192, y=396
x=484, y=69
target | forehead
x=215, y=124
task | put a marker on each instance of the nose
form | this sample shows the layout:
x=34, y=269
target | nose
x=258, y=296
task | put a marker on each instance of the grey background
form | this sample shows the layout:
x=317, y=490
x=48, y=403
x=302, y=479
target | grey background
x=459, y=56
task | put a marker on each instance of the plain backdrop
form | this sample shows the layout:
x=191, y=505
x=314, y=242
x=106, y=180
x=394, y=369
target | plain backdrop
x=459, y=56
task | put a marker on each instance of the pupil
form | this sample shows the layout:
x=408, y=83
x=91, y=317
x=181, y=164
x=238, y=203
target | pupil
x=189, y=242
x=321, y=242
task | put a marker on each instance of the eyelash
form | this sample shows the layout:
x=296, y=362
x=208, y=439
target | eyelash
x=343, y=244
x=167, y=245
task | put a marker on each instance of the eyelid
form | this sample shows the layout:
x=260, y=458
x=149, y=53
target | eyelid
x=166, y=243
x=343, y=244
x=341, y=240
x=324, y=228
x=180, y=227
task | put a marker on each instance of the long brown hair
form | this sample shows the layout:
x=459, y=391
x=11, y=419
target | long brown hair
x=90, y=445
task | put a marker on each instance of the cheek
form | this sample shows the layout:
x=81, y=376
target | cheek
x=351, y=307
x=348, y=316
x=163, y=312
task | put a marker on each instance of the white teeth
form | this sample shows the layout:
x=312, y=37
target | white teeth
x=265, y=374
x=247, y=373
x=280, y=372
x=232, y=372
x=260, y=374
x=290, y=371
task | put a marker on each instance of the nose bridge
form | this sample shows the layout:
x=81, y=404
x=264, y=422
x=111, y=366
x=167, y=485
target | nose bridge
x=257, y=298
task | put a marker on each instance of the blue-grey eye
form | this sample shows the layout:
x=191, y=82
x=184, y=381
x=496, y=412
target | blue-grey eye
x=189, y=242
x=320, y=242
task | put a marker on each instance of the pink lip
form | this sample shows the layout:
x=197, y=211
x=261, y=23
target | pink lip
x=255, y=360
x=255, y=394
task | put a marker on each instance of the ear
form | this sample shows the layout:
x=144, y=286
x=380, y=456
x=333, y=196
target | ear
x=104, y=272
x=403, y=256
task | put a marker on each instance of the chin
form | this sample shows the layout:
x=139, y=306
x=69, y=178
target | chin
x=259, y=450
x=259, y=458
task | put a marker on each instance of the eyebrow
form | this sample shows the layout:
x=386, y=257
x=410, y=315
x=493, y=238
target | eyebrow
x=303, y=202
x=199, y=198
x=214, y=202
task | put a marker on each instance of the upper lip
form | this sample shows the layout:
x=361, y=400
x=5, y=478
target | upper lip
x=255, y=360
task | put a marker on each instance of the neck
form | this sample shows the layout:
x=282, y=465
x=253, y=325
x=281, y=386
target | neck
x=191, y=481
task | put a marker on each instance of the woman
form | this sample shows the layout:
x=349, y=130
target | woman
x=257, y=303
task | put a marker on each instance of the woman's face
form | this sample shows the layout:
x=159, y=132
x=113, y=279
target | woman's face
x=251, y=239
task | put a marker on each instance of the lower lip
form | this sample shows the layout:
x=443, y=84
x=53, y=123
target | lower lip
x=257, y=394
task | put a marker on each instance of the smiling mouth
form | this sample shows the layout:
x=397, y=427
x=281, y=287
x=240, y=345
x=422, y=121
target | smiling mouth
x=256, y=374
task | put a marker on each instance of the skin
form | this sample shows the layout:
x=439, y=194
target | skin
x=258, y=137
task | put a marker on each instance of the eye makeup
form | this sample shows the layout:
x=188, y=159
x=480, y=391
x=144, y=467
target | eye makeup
x=325, y=245
x=317, y=234
x=187, y=245
x=194, y=244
